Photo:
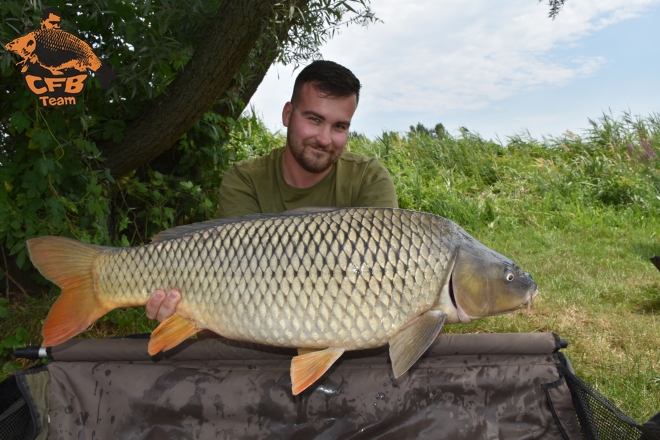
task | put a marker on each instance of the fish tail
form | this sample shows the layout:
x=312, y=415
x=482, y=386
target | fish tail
x=69, y=264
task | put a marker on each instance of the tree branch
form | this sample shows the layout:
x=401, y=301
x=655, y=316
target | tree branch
x=555, y=7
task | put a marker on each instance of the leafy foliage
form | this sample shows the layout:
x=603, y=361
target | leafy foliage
x=10, y=342
x=479, y=183
x=189, y=193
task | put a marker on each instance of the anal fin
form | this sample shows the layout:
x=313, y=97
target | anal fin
x=410, y=343
x=308, y=367
x=171, y=333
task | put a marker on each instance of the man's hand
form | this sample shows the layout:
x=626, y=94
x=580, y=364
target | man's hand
x=163, y=304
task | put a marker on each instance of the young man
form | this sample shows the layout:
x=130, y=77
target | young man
x=312, y=169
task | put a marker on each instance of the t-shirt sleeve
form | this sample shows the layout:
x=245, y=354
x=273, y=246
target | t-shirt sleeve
x=237, y=195
x=377, y=188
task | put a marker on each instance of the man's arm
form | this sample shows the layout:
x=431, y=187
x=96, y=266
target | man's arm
x=377, y=188
x=238, y=195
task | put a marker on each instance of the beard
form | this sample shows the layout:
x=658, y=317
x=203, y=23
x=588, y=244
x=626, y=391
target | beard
x=309, y=158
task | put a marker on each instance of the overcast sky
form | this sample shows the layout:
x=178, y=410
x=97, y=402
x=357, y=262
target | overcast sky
x=496, y=67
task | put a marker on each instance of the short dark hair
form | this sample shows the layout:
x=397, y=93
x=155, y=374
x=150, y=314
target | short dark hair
x=329, y=78
x=46, y=13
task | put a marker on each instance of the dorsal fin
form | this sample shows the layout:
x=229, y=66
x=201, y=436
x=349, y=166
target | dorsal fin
x=180, y=231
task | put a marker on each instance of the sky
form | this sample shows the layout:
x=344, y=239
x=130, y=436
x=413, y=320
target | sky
x=497, y=67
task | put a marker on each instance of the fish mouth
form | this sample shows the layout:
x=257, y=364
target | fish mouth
x=529, y=300
x=528, y=303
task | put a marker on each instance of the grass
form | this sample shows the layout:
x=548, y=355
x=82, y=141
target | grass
x=579, y=213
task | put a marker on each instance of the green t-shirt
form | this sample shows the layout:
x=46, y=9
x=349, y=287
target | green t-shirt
x=258, y=186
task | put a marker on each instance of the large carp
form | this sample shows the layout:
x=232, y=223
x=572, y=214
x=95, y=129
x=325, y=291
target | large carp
x=324, y=280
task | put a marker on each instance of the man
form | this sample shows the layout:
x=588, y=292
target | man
x=311, y=170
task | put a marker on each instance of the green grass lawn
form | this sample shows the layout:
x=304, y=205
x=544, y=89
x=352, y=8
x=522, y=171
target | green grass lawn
x=580, y=214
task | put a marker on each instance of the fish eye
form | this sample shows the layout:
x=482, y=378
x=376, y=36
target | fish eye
x=509, y=276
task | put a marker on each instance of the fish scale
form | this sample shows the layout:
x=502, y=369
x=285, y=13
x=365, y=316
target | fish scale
x=366, y=280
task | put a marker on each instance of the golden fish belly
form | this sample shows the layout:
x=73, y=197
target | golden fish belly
x=348, y=278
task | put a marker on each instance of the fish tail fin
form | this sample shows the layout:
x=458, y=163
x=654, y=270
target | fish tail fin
x=69, y=264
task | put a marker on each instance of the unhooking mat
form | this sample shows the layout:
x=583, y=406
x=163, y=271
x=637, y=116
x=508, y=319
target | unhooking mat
x=490, y=386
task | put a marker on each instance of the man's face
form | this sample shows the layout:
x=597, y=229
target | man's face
x=317, y=128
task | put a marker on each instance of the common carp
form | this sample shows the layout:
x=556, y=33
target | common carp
x=323, y=280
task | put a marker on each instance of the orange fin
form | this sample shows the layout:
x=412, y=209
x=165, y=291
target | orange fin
x=69, y=264
x=307, y=368
x=170, y=333
x=302, y=351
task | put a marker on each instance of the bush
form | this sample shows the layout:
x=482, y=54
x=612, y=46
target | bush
x=480, y=183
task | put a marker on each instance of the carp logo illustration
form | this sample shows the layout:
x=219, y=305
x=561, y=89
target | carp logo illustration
x=55, y=63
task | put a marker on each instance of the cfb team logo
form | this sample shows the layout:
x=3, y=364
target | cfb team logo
x=56, y=64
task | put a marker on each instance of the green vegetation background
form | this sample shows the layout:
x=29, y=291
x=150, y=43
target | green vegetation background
x=580, y=213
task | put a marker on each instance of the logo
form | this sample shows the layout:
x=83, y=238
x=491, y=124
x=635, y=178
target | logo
x=55, y=63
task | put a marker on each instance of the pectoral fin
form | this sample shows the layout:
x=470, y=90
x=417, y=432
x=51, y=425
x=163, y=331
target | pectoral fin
x=307, y=368
x=171, y=333
x=409, y=343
